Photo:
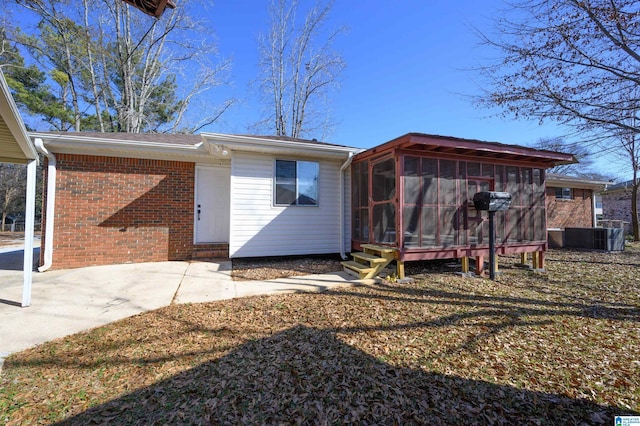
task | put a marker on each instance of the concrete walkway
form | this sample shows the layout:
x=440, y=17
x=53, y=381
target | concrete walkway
x=68, y=301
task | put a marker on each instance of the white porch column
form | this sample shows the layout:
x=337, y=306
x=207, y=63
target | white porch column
x=29, y=221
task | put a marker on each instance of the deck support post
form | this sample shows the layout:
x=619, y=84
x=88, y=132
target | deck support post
x=523, y=258
x=465, y=264
x=400, y=265
x=534, y=259
x=479, y=265
x=540, y=260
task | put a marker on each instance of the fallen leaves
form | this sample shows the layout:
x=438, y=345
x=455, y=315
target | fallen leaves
x=272, y=268
x=528, y=348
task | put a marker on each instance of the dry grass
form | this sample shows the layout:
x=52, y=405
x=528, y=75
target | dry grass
x=279, y=267
x=553, y=348
x=11, y=238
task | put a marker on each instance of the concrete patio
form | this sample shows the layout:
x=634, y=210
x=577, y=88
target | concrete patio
x=69, y=301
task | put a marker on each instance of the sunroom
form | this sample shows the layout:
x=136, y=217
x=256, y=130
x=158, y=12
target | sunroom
x=412, y=198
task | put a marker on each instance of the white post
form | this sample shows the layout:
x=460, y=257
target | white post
x=29, y=221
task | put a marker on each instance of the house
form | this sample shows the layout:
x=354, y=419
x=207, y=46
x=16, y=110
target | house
x=119, y=197
x=616, y=204
x=114, y=198
x=572, y=211
x=413, y=194
x=572, y=201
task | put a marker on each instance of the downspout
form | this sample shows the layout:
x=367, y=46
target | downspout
x=593, y=208
x=342, y=169
x=51, y=201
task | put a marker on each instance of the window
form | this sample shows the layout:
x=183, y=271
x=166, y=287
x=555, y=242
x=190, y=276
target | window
x=296, y=183
x=564, y=194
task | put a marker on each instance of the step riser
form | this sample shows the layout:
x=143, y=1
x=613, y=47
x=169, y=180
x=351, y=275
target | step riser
x=210, y=251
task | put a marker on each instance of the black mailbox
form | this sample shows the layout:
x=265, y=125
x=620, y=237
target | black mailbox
x=492, y=201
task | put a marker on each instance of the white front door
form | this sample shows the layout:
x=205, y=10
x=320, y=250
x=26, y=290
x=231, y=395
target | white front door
x=212, y=205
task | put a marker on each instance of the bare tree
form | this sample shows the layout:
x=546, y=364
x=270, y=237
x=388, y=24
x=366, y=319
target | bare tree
x=632, y=148
x=573, y=61
x=136, y=73
x=13, y=179
x=298, y=69
x=559, y=144
x=147, y=66
x=567, y=60
x=630, y=153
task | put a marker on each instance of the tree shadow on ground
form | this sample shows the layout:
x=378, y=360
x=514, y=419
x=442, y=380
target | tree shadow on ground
x=305, y=375
x=501, y=305
x=14, y=260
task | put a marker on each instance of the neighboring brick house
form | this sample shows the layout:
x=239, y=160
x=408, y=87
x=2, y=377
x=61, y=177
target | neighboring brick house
x=616, y=203
x=571, y=201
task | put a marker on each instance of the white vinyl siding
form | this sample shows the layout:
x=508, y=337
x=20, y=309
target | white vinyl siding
x=258, y=228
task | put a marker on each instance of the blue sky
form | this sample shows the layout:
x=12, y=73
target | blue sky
x=408, y=70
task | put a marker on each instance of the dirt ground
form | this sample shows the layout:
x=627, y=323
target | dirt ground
x=280, y=267
x=12, y=238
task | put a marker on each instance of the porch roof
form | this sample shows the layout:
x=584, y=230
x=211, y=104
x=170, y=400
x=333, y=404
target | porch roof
x=425, y=144
x=15, y=146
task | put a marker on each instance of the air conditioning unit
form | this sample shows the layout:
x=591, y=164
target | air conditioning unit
x=606, y=239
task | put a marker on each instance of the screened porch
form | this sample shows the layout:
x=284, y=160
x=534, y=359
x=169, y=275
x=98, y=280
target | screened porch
x=415, y=194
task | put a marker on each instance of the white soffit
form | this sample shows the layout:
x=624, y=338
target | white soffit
x=280, y=147
x=15, y=145
x=75, y=143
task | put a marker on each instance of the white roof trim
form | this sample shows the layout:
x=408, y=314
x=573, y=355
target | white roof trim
x=214, y=146
x=88, y=145
x=557, y=181
x=12, y=118
x=267, y=145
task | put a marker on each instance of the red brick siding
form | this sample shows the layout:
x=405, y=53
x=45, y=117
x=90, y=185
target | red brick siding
x=113, y=210
x=616, y=205
x=575, y=213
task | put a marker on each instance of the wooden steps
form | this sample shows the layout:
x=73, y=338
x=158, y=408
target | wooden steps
x=357, y=269
x=366, y=257
x=372, y=261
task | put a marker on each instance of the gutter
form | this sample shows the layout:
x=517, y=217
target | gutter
x=258, y=144
x=72, y=144
x=341, y=204
x=50, y=208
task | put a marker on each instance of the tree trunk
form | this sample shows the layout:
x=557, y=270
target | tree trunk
x=634, y=210
x=94, y=84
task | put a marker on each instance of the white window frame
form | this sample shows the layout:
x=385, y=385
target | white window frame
x=297, y=195
x=566, y=193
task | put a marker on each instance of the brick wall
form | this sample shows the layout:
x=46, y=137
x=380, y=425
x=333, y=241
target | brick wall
x=574, y=213
x=117, y=210
x=616, y=205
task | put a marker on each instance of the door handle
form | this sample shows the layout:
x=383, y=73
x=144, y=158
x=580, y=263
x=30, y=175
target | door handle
x=198, y=211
